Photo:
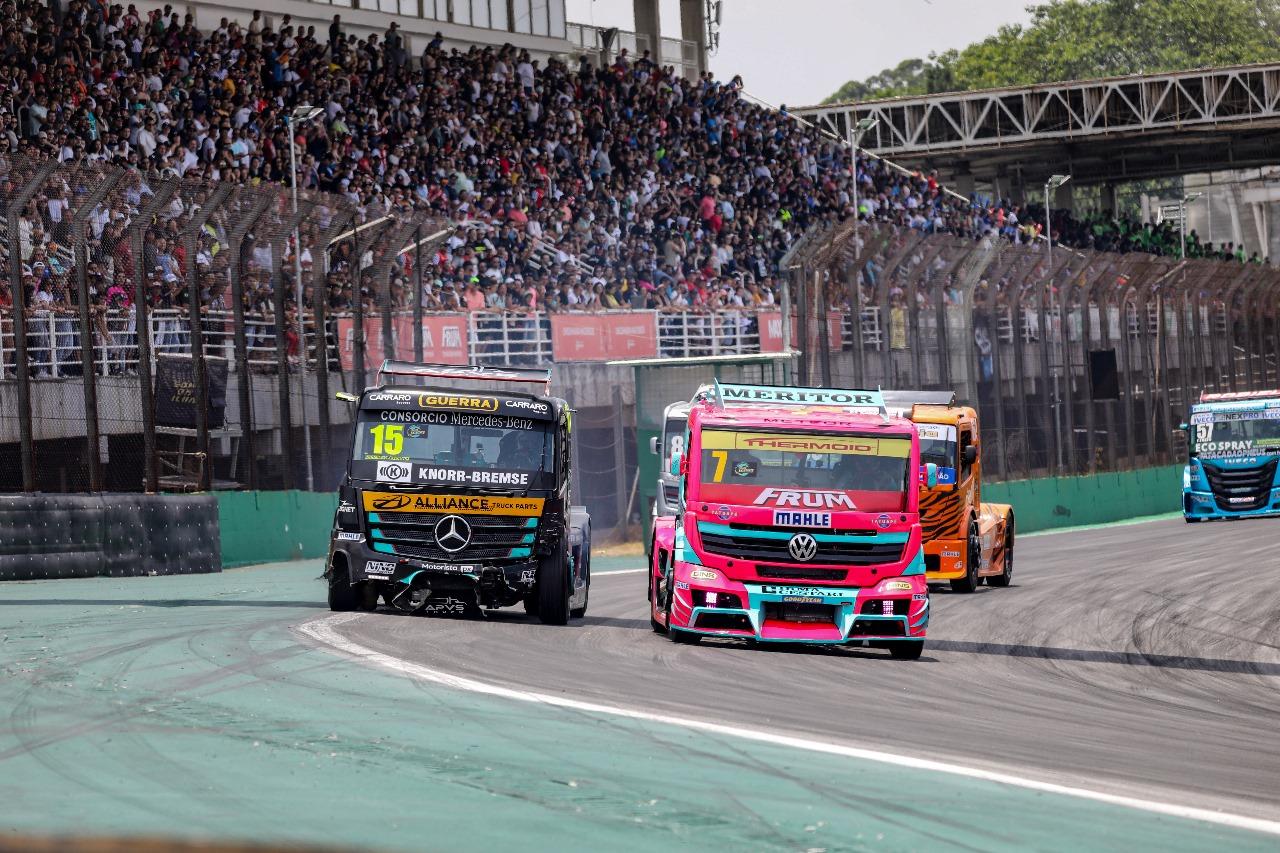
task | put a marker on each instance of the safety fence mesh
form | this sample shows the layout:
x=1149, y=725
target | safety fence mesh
x=163, y=333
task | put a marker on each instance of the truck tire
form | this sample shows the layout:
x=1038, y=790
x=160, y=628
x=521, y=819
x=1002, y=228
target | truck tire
x=553, y=589
x=906, y=650
x=970, y=581
x=343, y=597
x=1006, y=576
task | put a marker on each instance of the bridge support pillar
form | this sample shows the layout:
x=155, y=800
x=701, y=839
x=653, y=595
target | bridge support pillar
x=648, y=17
x=693, y=27
x=1108, y=199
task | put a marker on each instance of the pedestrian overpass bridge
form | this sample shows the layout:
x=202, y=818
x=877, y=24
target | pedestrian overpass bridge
x=1100, y=131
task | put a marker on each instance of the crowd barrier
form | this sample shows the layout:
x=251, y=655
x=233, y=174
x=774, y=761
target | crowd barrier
x=45, y=536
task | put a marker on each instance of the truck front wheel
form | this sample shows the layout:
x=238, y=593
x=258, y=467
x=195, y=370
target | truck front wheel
x=553, y=589
x=970, y=581
x=342, y=595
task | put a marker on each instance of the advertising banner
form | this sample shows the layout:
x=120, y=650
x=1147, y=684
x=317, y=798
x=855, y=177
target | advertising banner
x=444, y=340
x=601, y=337
x=771, y=332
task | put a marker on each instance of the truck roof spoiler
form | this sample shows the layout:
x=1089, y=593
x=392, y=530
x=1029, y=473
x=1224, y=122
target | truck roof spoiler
x=904, y=399
x=859, y=401
x=472, y=372
x=1225, y=396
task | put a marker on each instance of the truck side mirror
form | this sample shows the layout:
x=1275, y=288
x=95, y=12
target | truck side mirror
x=1184, y=427
x=345, y=397
x=677, y=464
x=971, y=454
x=931, y=473
x=653, y=445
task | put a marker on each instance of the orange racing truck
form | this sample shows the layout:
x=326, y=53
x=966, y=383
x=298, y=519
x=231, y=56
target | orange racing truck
x=966, y=541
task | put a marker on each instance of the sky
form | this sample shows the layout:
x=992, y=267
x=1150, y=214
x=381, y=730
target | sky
x=798, y=52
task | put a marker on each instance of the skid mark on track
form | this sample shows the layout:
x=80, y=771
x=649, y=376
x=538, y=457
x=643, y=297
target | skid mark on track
x=323, y=630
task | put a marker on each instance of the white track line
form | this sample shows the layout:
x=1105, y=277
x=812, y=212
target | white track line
x=618, y=572
x=322, y=630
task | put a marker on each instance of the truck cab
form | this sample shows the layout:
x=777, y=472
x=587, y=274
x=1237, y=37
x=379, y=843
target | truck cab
x=1233, y=456
x=675, y=421
x=456, y=501
x=966, y=541
x=797, y=522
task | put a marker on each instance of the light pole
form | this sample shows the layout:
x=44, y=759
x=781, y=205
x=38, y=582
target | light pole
x=301, y=115
x=1182, y=222
x=856, y=132
x=1055, y=308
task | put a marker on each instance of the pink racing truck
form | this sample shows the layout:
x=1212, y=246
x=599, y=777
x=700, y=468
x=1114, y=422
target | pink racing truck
x=797, y=522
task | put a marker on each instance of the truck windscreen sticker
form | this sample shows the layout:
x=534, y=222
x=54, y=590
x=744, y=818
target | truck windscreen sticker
x=455, y=419
x=458, y=504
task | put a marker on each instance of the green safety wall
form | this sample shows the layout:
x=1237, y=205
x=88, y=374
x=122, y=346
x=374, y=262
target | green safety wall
x=1051, y=502
x=269, y=527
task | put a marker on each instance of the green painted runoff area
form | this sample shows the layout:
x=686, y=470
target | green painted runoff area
x=186, y=706
x=260, y=527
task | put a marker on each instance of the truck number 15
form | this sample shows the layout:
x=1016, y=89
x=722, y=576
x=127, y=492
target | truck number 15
x=388, y=439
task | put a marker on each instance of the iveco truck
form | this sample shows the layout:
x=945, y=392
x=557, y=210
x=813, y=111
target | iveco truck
x=1234, y=451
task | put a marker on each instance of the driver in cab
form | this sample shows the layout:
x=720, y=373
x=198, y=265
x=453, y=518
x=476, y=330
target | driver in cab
x=521, y=449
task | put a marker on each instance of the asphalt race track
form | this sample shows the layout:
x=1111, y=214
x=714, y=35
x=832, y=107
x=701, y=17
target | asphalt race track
x=1138, y=663
x=1141, y=660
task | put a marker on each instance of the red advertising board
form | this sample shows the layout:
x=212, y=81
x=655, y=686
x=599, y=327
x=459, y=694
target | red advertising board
x=601, y=337
x=771, y=332
x=444, y=340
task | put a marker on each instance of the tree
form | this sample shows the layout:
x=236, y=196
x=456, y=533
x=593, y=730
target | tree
x=1081, y=39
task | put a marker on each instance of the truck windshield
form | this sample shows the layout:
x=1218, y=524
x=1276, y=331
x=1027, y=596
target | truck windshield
x=1246, y=433
x=448, y=451
x=938, y=445
x=828, y=471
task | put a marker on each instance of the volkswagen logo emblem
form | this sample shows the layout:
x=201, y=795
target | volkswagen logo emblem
x=453, y=533
x=803, y=547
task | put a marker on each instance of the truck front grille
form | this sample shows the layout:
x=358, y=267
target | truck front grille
x=412, y=534
x=852, y=553
x=1241, y=489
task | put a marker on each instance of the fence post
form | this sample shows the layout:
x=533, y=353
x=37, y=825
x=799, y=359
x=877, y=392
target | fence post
x=619, y=458
x=342, y=218
x=196, y=322
x=247, y=221
x=16, y=208
x=80, y=252
x=279, y=292
x=417, y=294
x=163, y=193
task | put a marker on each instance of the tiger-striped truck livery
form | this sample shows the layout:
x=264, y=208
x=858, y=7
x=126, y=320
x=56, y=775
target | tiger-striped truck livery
x=966, y=541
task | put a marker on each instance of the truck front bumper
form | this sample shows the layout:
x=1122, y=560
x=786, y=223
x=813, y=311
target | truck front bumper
x=705, y=601
x=1197, y=504
x=948, y=556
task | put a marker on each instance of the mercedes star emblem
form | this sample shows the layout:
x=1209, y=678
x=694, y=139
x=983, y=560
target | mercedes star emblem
x=453, y=532
x=803, y=547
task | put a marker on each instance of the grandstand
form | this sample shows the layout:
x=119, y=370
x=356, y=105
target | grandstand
x=488, y=200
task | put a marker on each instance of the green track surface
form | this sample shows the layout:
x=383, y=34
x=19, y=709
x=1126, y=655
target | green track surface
x=186, y=706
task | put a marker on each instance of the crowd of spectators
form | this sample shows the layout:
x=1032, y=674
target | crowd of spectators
x=572, y=186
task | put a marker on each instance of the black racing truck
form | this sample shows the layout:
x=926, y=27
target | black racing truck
x=458, y=501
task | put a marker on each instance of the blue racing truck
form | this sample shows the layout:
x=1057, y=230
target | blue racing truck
x=1233, y=445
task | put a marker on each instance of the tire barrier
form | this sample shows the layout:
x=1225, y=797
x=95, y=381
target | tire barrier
x=79, y=536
